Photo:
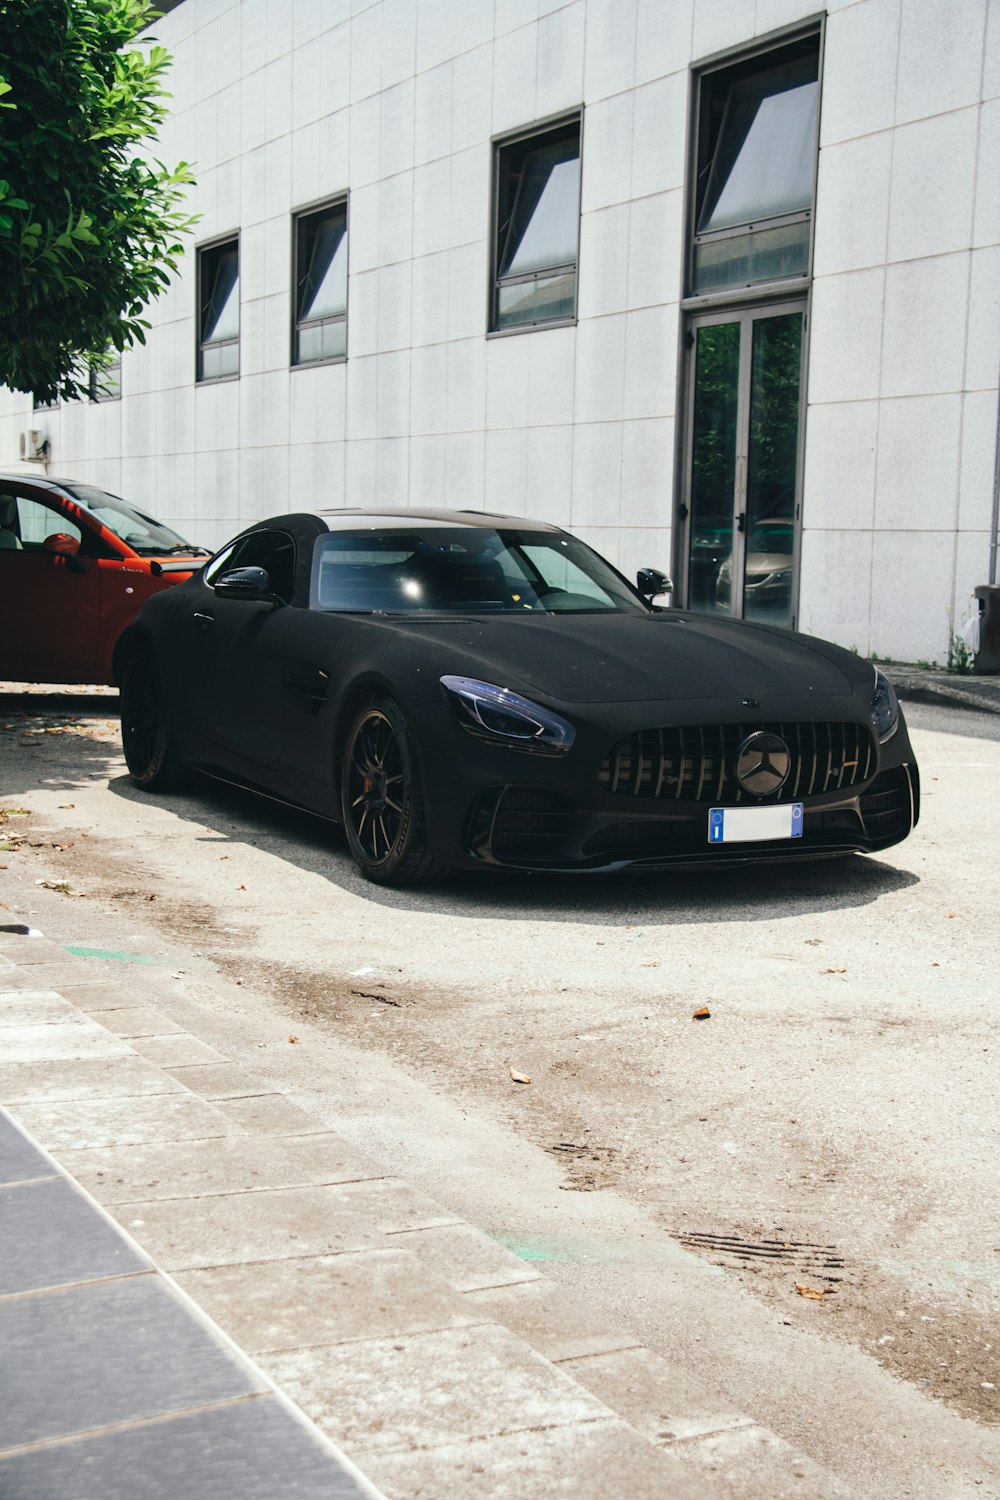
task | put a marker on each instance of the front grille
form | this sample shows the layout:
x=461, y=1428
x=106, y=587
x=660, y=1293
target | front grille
x=698, y=764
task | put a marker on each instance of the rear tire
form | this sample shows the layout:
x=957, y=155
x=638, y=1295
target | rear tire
x=382, y=799
x=147, y=732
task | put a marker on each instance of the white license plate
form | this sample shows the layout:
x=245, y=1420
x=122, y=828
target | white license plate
x=744, y=825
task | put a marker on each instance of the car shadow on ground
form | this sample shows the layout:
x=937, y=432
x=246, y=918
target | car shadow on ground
x=34, y=739
x=750, y=893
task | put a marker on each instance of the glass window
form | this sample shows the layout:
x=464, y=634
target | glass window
x=25, y=523
x=106, y=384
x=272, y=550
x=538, y=228
x=139, y=531
x=756, y=168
x=320, y=285
x=451, y=570
x=219, y=311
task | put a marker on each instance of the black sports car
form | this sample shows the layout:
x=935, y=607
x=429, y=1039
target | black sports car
x=465, y=690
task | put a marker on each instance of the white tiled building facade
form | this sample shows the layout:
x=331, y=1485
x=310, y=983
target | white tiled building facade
x=411, y=112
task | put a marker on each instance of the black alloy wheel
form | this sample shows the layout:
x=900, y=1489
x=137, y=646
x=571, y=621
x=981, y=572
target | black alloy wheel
x=147, y=734
x=381, y=799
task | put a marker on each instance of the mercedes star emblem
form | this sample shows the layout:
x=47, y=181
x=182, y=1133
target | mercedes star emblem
x=763, y=762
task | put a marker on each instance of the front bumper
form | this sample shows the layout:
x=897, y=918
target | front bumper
x=496, y=807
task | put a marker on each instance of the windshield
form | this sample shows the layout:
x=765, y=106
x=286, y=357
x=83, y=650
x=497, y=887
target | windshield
x=448, y=569
x=138, y=531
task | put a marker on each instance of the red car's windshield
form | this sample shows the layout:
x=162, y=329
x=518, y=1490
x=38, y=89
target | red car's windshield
x=137, y=530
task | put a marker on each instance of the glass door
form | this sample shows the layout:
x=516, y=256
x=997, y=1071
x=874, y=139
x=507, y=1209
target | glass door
x=743, y=462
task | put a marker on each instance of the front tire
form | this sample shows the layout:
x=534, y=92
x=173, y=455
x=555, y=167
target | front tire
x=147, y=732
x=382, y=799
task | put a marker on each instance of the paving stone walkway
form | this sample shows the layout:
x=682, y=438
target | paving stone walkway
x=206, y=1292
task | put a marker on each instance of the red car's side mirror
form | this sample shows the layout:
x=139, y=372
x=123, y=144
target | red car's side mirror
x=61, y=544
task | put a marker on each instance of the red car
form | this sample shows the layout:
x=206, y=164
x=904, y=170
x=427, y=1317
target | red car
x=75, y=565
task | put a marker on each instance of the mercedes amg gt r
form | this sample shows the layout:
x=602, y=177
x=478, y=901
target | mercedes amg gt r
x=464, y=690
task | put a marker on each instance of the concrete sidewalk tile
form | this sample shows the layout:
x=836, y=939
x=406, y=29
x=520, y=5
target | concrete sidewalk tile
x=25, y=952
x=217, y=1080
x=103, y=994
x=757, y=1465
x=49, y=976
x=548, y=1318
x=38, y=1008
x=50, y=1236
x=60, y=1040
x=396, y=1207
x=83, y=1078
x=467, y=1258
x=387, y=1395
x=253, y=1450
x=187, y=1233
x=181, y=1048
x=601, y=1460
x=269, y=1114
x=124, y=1350
x=121, y=1121
x=131, y=1020
x=227, y=1164
x=331, y=1299
x=20, y=1159
x=661, y=1400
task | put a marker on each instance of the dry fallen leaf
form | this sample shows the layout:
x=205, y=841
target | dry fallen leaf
x=293, y=1038
x=833, y=971
x=65, y=806
x=701, y=1014
x=518, y=1077
x=809, y=1291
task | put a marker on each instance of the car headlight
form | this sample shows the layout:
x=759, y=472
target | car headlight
x=498, y=715
x=885, y=708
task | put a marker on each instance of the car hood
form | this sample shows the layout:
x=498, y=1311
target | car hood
x=623, y=658
x=768, y=562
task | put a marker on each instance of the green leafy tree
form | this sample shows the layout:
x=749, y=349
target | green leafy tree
x=90, y=222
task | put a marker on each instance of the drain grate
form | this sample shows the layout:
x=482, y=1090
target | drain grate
x=802, y=1254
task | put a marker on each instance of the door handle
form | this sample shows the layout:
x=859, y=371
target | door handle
x=741, y=522
x=203, y=620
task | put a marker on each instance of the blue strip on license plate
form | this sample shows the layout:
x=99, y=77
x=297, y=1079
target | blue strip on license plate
x=746, y=825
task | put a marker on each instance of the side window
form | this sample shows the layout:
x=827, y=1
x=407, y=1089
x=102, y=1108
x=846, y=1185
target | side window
x=24, y=524
x=537, y=228
x=271, y=550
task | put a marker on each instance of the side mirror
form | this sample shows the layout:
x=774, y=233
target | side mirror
x=650, y=582
x=247, y=583
x=61, y=544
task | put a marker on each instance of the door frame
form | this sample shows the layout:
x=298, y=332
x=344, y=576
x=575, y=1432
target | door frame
x=746, y=313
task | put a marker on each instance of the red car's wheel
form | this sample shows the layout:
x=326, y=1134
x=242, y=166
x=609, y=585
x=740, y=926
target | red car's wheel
x=147, y=735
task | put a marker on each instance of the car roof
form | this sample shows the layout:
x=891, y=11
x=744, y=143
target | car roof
x=339, y=520
x=26, y=476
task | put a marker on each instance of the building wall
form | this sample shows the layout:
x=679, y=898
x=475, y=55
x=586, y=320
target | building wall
x=280, y=104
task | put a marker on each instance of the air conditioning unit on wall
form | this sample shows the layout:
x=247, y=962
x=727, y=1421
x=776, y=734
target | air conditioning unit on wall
x=34, y=446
